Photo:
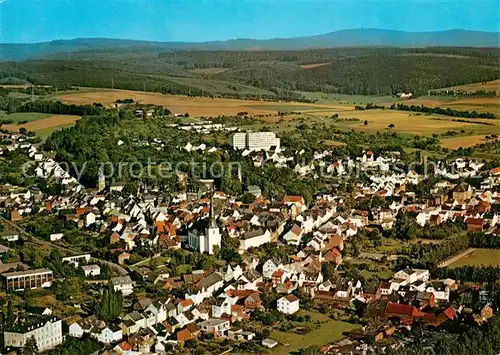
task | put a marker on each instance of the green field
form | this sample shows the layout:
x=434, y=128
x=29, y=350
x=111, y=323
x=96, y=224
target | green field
x=328, y=332
x=289, y=107
x=23, y=116
x=44, y=133
x=479, y=257
x=326, y=98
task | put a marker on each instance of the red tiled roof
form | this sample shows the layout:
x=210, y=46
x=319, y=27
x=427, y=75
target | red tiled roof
x=291, y=298
x=450, y=313
x=401, y=309
x=293, y=199
x=476, y=221
x=183, y=335
x=278, y=273
x=125, y=346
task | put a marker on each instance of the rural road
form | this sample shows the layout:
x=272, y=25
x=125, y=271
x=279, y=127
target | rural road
x=39, y=241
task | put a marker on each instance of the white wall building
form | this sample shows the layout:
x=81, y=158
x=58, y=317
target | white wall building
x=205, y=242
x=254, y=238
x=91, y=270
x=254, y=140
x=123, y=284
x=46, y=330
x=288, y=304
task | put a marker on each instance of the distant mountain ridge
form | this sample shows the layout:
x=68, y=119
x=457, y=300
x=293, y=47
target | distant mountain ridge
x=342, y=38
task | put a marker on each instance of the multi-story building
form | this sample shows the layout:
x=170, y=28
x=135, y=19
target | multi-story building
x=254, y=140
x=124, y=284
x=238, y=140
x=288, y=304
x=47, y=331
x=216, y=326
x=22, y=280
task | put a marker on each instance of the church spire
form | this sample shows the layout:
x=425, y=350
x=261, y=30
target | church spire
x=211, y=216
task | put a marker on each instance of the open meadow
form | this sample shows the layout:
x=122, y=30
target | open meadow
x=462, y=141
x=22, y=116
x=329, y=331
x=488, y=257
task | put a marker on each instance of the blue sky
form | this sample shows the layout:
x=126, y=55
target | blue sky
x=25, y=21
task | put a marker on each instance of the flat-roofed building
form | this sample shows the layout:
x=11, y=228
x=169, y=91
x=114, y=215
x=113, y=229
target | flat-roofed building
x=254, y=140
x=29, y=279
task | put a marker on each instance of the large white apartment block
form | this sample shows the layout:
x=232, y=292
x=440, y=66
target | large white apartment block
x=238, y=140
x=254, y=140
x=47, y=331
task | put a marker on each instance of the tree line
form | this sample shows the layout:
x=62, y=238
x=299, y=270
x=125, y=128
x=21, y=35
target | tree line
x=442, y=111
x=52, y=107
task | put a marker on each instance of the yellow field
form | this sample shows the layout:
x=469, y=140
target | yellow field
x=409, y=122
x=45, y=125
x=195, y=106
x=464, y=142
x=378, y=120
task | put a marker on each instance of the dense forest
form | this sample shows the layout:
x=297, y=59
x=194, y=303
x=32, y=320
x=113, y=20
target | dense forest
x=362, y=71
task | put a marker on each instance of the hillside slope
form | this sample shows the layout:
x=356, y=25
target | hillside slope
x=343, y=38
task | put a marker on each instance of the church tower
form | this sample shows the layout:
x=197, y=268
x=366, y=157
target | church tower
x=212, y=232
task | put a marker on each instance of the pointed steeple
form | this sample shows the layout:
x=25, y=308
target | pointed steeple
x=211, y=216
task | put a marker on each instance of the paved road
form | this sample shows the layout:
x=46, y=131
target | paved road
x=39, y=241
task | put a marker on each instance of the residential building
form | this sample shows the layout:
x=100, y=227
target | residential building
x=47, y=331
x=254, y=140
x=124, y=284
x=91, y=270
x=288, y=304
x=219, y=327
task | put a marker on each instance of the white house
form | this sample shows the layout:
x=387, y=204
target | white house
x=110, y=334
x=91, y=270
x=412, y=275
x=288, y=304
x=123, y=284
x=216, y=326
x=269, y=267
x=221, y=306
x=294, y=235
x=254, y=238
x=56, y=236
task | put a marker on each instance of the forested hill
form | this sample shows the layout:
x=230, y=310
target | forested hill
x=337, y=39
x=269, y=74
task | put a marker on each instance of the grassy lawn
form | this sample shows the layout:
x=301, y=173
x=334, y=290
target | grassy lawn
x=329, y=331
x=23, y=116
x=479, y=257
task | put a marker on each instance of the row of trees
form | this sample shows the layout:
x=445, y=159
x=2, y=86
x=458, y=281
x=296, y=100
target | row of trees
x=481, y=240
x=441, y=111
x=430, y=255
x=482, y=340
x=470, y=273
x=464, y=93
x=52, y=107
